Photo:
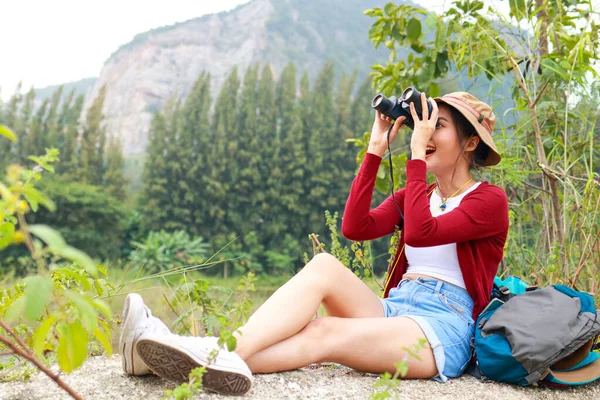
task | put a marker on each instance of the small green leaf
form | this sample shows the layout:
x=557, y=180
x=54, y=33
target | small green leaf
x=103, y=307
x=402, y=368
x=433, y=90
x=34, y=198
x=102, y=270
x=15, y=310
x=37, y=293
x=231, y=343
x=39, y=337
x=7, y=231
x=413, y=30
x=72, y=346
x=6, y=132
x=52, y=238
x=100, y=336
x=86, y=309
x=79, y=257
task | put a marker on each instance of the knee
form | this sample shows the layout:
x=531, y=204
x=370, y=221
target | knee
x=318, y=333
x=325, y=264
x=319, y=328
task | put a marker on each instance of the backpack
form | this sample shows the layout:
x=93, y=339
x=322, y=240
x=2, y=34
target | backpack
x=530, y=336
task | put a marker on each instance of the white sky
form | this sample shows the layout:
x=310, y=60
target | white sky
x=46, y=42
x=49, y=42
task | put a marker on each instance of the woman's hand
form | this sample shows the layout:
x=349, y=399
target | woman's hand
x=423, y=129
x=378, y=143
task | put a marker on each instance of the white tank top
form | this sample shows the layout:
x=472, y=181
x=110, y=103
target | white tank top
x=439, y=262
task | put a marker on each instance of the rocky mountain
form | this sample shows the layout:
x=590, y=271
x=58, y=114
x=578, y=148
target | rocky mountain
x=141, y=75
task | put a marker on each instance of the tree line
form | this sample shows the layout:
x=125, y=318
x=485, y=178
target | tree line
x=260, y=163
x=85, y=155
x=251, y=170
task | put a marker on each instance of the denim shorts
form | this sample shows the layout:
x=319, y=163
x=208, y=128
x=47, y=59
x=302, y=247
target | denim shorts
x=443, y=311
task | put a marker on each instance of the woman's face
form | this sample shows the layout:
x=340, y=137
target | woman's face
x=444, y=147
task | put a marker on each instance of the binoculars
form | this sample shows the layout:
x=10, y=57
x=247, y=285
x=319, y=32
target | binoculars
x=394, y=107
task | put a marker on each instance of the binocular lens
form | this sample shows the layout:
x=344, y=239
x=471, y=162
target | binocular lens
x=407, y=93
x=377, y=100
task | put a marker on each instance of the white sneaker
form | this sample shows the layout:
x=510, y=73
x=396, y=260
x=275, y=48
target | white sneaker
x=173, y=357
x=137, y=319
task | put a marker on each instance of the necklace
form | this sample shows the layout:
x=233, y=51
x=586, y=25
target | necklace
x=445, y=199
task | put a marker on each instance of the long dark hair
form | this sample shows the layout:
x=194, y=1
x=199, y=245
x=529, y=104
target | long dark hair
x=465, y=132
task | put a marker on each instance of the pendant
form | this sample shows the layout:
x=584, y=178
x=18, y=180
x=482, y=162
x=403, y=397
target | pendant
x=443, y=207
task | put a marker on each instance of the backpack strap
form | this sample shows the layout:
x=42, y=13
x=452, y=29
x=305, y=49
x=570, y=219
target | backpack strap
x=536, y=376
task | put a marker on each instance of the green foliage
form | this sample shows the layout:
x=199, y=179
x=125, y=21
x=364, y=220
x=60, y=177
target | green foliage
x=550, y=154
x=93, y=139
x=56, y=312
x=87, y=216
x=187, y=391
x=388, y=383
x=262, y=174
x=164, y=250
x=114, y=179
x=357, y=256
x=214, y=310
x=7, y=133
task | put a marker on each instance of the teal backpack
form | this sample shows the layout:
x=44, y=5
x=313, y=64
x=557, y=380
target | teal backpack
x=530, y=336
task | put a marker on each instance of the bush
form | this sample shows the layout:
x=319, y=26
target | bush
x=164, y=250
x=87, y=217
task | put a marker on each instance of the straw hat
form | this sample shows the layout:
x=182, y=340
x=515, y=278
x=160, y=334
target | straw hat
x=480, y=115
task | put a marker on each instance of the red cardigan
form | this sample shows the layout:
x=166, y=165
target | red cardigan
x=478, y=226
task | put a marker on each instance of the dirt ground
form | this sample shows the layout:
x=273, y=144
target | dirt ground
x=102, y=378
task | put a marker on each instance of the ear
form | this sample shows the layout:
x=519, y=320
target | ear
x=473, y=143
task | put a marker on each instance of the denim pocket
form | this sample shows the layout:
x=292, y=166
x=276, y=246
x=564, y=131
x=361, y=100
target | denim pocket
x=457, y=308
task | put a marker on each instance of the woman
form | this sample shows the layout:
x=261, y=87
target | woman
x=453, y=235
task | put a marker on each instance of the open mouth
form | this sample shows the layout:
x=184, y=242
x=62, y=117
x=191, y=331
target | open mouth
x=429, y=150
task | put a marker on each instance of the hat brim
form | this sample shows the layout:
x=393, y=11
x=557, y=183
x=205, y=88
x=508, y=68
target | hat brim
x=493, y=157
x=588, y=372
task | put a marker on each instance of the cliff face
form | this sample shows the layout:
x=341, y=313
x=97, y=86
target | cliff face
x=143, y=74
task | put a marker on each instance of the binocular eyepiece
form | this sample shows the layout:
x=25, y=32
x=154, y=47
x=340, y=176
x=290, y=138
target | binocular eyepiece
x=394, y=107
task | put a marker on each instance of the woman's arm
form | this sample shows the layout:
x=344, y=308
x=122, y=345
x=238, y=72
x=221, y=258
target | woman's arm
x=359, y=221
x=482, y=213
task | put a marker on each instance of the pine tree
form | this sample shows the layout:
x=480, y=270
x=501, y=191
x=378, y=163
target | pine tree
x=244, y=171
x=321, y=142
x=342, y=155
x=221, y=158
x=173, y=172
x=61, y=128
x=69, y=121
x=92, y=143
x=64, y=116
x=154, y=197
x=361, y=114
x=34, y=143
x=23, y=126
x=196, y=141
x=305, y=109
x=114, y=180
x=265, y=147
x=51, y=125
x=9, y=118
x=291, y=160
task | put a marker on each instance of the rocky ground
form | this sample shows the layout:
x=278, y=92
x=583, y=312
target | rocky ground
x=102, y=378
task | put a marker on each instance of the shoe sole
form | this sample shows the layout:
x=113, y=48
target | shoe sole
x=133, y=302
x=175, y=365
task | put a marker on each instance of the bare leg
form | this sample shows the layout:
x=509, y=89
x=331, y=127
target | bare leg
x=323, y=280
x=366, y=344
